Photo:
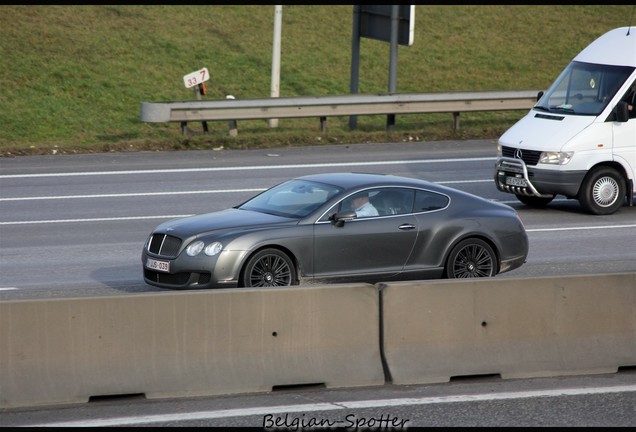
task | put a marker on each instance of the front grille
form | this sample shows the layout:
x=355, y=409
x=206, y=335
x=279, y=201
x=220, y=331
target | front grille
x=167, y=278
x=530, y=157
x=164, y=245
x=177, y=279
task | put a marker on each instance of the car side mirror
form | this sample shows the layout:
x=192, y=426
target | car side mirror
x=621, y=112
x=344, y=216
x=539, y=95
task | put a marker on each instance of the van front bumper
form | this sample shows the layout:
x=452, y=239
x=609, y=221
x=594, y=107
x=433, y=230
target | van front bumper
x=513, y=176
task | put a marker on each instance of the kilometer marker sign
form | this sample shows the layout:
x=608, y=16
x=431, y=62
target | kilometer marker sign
x=196, y=77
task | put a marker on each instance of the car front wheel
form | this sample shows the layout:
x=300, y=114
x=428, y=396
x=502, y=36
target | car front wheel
x=471, y=258
x=269, y=268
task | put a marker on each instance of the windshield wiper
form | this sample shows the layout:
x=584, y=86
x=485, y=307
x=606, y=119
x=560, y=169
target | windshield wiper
x=541, y=108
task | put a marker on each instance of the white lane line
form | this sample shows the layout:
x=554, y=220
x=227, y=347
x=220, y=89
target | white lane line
x=94, y=220
x=148, y=194
x=253, y=167
x=580, y=228
x=363, y=404
x=126, y=195
x=8, y=288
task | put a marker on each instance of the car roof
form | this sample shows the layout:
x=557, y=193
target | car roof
x=348, y=180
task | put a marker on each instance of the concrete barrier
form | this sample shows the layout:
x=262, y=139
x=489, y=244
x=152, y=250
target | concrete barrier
x=189, y=343
x=214, y=342
x=517, y=328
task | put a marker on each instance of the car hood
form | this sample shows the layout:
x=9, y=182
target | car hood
x=221, y=220
x=544, y=131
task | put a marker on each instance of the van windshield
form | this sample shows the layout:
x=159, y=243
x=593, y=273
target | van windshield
x=584, y=88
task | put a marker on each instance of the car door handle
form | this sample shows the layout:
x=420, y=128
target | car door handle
x=406, y=227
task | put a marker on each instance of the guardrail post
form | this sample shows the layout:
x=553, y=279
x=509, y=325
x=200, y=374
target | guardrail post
x=390, y=122
x=323, y=124
x=232, y=123
x=199, y=89
x=455, y=121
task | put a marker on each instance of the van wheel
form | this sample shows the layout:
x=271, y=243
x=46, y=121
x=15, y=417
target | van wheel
x=269, y=268
x=534, y=201
x=602, y=191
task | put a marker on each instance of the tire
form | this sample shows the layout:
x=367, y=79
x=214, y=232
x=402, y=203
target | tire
x=471, y=258
x=269, y=268
x=534, y=201
x=602, y=191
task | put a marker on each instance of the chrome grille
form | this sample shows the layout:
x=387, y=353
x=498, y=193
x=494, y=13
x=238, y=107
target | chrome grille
x=164, y=245
x=530, y=157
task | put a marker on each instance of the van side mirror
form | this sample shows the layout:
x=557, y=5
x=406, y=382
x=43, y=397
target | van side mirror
x=539, y=95
x=621, y=113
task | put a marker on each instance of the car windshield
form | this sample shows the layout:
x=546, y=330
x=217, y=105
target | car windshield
x=583, y=89
x=294, y=198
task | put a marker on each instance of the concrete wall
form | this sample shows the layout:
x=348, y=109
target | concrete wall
x=188, y=343
x=513, y=327
x=195, y=343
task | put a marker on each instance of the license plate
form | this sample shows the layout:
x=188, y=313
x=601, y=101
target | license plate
x=516, y=181
x=163, y=266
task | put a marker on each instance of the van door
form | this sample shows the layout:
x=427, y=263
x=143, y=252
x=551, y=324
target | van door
x=624, y=134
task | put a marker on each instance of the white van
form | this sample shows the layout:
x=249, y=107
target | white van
x=579, y=139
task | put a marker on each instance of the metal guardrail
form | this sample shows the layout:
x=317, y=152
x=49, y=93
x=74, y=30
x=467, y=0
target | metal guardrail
x=329, y=106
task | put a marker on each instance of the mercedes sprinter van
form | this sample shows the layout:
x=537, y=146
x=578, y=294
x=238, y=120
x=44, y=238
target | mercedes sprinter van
x=579, y=139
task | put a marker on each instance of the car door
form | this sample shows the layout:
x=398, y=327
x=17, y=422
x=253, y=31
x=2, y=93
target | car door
x=371, y=245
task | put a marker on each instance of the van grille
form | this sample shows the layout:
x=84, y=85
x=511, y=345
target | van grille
x=530, y=157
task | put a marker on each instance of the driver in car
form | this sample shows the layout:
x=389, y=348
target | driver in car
x=363, y=207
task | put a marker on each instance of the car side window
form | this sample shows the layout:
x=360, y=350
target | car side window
x=429, y=201
x=392, y=201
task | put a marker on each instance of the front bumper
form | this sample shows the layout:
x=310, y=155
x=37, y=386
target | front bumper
x=194, y=272
x=513, y=176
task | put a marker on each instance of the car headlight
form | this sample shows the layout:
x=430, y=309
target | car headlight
x=195, y=248
x=499, y=150
x=555, y=158
x=213, y=249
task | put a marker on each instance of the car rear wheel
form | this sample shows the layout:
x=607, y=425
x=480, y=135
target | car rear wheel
x=269, y=268
x=471, y=258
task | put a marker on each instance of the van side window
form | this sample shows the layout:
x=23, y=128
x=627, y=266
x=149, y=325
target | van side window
x=630, y=98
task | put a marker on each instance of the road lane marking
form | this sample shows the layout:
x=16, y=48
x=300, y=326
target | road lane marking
x=334, y=406
x=579, y=228
x=148, y=194
x=127, y=218
x=126, y=195
x=252, y=167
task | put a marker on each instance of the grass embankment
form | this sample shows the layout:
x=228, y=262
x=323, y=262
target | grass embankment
x=73, y=77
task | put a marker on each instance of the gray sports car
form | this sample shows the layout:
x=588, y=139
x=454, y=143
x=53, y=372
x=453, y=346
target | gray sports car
x=338, y=227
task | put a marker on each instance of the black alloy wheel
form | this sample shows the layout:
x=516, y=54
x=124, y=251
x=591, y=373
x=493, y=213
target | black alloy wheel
x=269, y=268
x=471, y=258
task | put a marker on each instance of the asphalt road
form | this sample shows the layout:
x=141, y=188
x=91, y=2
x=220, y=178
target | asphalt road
x=75, y=225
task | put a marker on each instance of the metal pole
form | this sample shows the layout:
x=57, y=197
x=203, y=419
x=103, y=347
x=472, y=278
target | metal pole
x=355, y=59
x=275, y=91
x=395, y=17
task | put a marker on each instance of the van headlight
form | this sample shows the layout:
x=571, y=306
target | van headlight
x=555, y=158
